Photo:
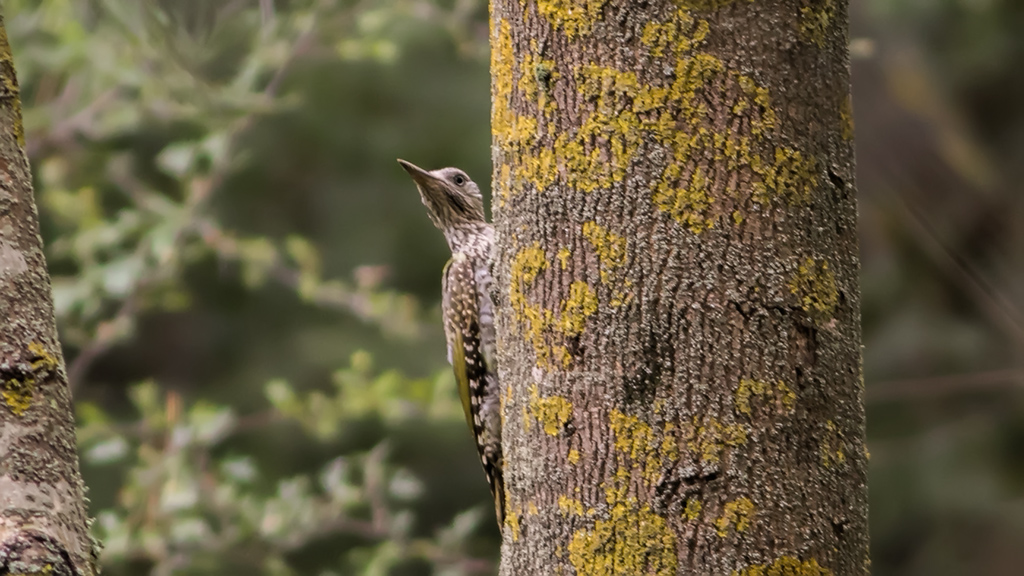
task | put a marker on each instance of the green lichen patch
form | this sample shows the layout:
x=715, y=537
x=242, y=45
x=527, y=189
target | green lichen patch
x=785, y=566
x=632, y=540
x=551, y=412
x=736, y=515
x=815, y=287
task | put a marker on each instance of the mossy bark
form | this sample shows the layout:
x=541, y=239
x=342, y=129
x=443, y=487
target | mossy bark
x=678, y=307
x=43, y=521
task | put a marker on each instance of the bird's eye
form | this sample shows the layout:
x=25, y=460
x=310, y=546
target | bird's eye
x=459, y=179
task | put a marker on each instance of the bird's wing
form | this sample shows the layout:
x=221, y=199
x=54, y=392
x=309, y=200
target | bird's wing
x=460, y=306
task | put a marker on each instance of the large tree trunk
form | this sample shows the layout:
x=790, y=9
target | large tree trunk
x=43, y=522
x=679, y=325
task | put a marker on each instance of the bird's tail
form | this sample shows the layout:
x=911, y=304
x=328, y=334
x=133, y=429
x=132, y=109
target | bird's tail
x=497, y=482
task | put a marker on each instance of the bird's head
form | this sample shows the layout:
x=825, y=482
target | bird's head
x=453, y=200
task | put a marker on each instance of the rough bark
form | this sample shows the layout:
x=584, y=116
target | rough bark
x=43, y=520
x=678, y=307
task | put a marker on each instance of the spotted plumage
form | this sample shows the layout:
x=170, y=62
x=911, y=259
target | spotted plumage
x=455, y=206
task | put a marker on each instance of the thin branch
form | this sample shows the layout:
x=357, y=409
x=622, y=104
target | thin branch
x=1000, y=310
x=947, y=385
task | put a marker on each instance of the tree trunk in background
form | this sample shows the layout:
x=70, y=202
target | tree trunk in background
x=679, y=325
x=43, y=522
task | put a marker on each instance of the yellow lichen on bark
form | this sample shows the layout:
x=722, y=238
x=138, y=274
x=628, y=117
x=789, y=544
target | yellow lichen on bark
x=517, y=133
x=651, y=449
x=632, y=436
x=502, y=62
x=526, y=265
x=9, y=87
x=708, y=439
x=18, y=390
x=831, y=449
x=541, y=326
x=689, y=205
x=582, y=303
x=551, y=412
x=736, y=514
x=531, y=509
x=748, y=389
x=574, y=17
x=512, y=521
x=792, y=176
x=766, y=119
x=816, y=19
x=610, y=248
x=708, y=4
x=678, y=35
x=563, y=257
x=570, y=505
x=785, y=566
x=627, y=112
x=17, y=394
x=693, y=509
x=815, y=287
x=632, y=540
x=846, y=118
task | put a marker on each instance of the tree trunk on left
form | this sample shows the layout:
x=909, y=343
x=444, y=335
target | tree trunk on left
x=43, y=520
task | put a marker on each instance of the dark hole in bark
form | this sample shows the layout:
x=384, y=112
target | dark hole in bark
x=641, y=386
x=836, y=181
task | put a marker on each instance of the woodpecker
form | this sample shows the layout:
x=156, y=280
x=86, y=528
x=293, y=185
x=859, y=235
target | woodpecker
x=456, y=207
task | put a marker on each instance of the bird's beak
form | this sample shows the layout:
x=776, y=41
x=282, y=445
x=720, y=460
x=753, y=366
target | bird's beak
x=423, y=178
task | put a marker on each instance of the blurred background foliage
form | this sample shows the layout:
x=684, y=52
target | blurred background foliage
x=247, y=286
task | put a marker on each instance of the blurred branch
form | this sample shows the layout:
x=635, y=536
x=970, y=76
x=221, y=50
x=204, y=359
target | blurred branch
x=199, y=192
x=937, y=386
x=999, y=309
x=334, y=295
x=61, y=135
